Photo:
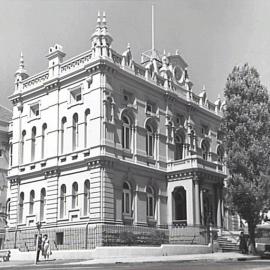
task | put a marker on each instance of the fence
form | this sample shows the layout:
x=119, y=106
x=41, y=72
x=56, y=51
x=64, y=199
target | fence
x=92, y=236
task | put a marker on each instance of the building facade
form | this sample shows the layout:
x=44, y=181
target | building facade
x=5, y=117
x=102, y=139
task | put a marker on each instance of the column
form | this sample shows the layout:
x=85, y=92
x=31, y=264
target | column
x=201, y=204
x=158, y=212
x=135, y=208
x=134, y=141
x=197, y=200
x=219, y=222
x=157, y=156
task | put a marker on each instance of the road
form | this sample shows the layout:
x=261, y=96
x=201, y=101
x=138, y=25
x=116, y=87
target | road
x=225, y=265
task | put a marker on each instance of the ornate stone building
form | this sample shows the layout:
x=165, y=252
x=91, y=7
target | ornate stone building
x=102, y=139
x=5, y=117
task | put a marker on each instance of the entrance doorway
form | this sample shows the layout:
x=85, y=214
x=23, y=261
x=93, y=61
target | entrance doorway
x=180, y=206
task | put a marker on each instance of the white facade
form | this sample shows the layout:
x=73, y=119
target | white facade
x=102, y=139
x=5, y=116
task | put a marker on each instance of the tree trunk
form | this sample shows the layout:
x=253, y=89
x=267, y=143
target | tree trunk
x=251, y=231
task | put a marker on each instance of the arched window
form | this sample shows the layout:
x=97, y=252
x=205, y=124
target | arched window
x=149, y=140
x=63, y=201
x=75, y=132
x=86, y=127
x=63, y=134
x=126, y=132
x=21, y=205
x=42, y=204
x=8, y=204
x=31, y=202
x=33, y=143
x=192, y=139
x=43, y=140
x=23, y=146
x=126, y=199
x=74, y=195
x=86, y=198
x=220, y=154
x=205, y=149
x=179, y=147
x=150, y=202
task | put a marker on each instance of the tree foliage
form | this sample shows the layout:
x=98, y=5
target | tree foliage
x=246, y=128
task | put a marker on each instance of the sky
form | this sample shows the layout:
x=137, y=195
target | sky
x=212, y=36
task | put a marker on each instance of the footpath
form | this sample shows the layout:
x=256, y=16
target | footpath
x=218, y=256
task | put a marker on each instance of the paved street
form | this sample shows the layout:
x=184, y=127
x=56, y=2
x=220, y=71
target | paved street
x=221, y=265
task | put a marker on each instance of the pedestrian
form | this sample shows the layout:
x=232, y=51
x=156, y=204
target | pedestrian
x=243, y=243
x=39, y=246
x=46, y=247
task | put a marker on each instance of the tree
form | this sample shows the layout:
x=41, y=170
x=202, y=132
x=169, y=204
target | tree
x=246, y=129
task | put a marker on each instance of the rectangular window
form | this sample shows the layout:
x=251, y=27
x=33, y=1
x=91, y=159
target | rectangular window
x=76, y=95
x=59, y=238
x=205, y=130
x=149, y=108
x=34, y=110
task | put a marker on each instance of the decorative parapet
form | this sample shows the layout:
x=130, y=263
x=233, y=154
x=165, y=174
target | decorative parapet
x=75, y=63
x=36, y=80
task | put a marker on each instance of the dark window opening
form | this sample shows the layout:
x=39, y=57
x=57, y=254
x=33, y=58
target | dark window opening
x=59, y=238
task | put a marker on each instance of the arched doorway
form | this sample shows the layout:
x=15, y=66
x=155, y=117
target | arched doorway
x=180, y=206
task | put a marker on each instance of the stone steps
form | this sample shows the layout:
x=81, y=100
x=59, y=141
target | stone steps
x=227, y=245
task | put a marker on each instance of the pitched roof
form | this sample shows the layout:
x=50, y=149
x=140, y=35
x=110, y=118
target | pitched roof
x=5, y=114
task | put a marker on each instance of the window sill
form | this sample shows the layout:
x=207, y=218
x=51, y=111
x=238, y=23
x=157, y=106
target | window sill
x=127, y=216
x=74, y=210
x=73, y=104
x=127, y=152
x=33, y=118
x=150, y=159
x=63, y=219
x=151, y=220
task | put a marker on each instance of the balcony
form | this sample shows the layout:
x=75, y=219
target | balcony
x=195, y=162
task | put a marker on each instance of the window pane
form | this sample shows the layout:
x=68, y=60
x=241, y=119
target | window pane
x=127, y=204
x=147, y=150
x=150, y=145
x=123, y=137
x=123, y=202
x=147, y=206
x=151, y=206
x=127, y=138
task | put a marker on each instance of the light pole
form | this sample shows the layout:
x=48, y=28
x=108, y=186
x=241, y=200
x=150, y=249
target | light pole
x=15, y=240
x=38, y=224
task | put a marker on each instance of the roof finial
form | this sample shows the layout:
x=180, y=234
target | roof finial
x=203, y=88
x=21, y=61
x=104, y=21
x=153, y=28
x=98, y=20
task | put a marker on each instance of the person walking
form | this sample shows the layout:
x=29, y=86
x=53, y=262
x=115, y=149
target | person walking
x=46, y=247
x=243, y=243
x=39, y=246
